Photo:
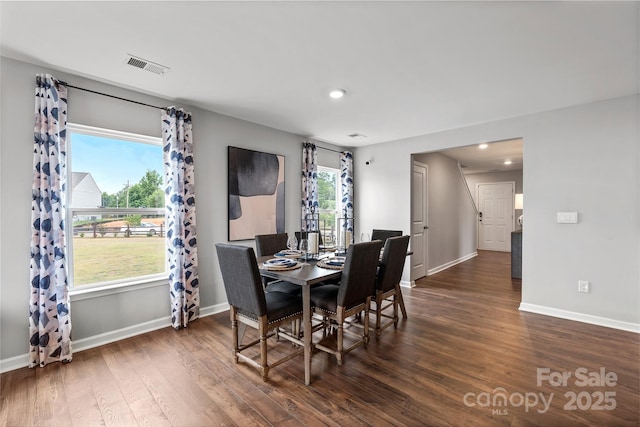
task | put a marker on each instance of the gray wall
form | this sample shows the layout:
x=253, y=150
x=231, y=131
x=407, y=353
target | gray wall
x=583, y=158
x=212, y=133
x=451, y=215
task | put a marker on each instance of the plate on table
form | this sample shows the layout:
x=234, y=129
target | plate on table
x=289, y=253
x=281, y=264
x=335, y=263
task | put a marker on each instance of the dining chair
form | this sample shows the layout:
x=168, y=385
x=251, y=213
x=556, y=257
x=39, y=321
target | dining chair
x=335, y=303
x=383, y=235
x=387, y=290
x=266, y=312
x=268, y=245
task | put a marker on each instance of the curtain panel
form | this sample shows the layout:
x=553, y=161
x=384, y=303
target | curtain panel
x=346, y=188
x=49, y=317
x=182, y=254
x=309, y=185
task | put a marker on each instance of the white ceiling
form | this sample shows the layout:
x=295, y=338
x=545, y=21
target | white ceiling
x=473, y=159
x=409, y=68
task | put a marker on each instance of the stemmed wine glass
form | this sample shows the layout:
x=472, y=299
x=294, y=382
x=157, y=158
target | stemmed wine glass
x=364, y=237
x=292, y=242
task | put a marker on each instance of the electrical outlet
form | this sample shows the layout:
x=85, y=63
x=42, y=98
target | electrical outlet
x=583, y=286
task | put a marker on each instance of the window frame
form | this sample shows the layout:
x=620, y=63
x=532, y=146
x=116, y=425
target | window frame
x=113, y=286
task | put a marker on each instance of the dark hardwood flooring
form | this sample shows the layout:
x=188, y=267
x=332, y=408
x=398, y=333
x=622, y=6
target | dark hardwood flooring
x=465, y=356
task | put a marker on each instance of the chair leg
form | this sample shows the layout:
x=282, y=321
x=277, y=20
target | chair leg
x=340, y=336
x=234, y=333
x=378, y=315
x=366, y=322
x=395, y=309
x=401, y=301
x=263, y=350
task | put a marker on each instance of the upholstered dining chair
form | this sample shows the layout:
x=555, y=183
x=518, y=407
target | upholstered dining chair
x=388, y=278
x=250, y=305
x=383, y=235
x=352, y=296
x=268, y=245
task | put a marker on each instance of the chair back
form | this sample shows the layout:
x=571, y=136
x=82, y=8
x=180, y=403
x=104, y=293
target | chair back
x=392, y=263
x=241, y=278
x=383, y=235
x=359, y=273
x=269, y=244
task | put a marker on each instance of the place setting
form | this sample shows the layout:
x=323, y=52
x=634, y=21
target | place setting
x=334, y=263
x=289, y=253
x=281, y=264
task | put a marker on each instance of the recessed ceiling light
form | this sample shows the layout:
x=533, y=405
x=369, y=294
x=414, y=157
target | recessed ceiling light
x=507, y=162
x=337, y=93
x=483, y=146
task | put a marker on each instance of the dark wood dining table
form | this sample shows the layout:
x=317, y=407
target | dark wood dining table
x=310, y=274
x=304, y=277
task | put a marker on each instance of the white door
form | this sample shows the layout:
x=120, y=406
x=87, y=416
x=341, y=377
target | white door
x=495, y=217
x=419, y=227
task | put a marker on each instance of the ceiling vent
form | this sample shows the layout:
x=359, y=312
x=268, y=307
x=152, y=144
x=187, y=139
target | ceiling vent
x=143, y=64
x=357, y=136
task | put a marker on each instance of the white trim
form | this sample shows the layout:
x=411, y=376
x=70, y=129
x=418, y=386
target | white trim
x=113, y=134
x=450, y=264
x=22, y=361
x=580, y=317
x=14, y=363
x=408, y=283
x=88, y=292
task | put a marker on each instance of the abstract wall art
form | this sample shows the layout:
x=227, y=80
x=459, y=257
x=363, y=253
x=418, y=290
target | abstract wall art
x=256, y=193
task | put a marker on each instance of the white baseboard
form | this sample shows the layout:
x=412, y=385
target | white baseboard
x=22, y=361
x=408, y=283
x=451, y=263
x=13, y=363
x=580, y=317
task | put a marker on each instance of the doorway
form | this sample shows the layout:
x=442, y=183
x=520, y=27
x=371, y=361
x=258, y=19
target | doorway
x=419, y=220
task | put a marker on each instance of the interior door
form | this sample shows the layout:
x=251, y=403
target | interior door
x=419, y=221
x=495, y=217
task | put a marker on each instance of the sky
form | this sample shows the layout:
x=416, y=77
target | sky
x=113, y=162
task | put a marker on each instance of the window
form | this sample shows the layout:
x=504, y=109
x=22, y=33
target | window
x=115, y=205
x=328, y=202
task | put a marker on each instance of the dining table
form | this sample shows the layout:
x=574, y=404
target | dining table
x=305, y=276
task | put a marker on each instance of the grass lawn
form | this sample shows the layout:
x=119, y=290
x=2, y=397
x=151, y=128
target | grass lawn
x=104, y=259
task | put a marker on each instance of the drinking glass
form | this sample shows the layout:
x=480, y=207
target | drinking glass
x=304, y=247
x=364, y=237
x=292, y=242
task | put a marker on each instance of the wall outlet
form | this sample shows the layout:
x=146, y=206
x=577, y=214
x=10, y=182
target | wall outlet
x=583, y=286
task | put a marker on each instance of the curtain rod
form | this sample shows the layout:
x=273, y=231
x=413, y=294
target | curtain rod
x=112, y=96
x=329, y=149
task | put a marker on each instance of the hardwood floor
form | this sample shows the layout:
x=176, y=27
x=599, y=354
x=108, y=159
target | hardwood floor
x=464, y=347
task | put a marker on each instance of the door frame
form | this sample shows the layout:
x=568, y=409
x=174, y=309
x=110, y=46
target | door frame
x=425, y=201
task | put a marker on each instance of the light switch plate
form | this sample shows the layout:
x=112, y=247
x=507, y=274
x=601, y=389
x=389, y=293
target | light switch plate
x=567, y=217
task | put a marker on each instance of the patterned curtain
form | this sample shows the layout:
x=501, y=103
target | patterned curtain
x=346, y=186
x=309, y=184
x=49, y=318
x=182, y=254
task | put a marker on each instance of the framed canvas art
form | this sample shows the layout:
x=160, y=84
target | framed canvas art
x=256, y=193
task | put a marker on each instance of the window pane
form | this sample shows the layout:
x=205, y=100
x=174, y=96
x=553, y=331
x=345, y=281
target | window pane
x=108, y=248
x=327, y=201
x=116, y=206
x=115, y=173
